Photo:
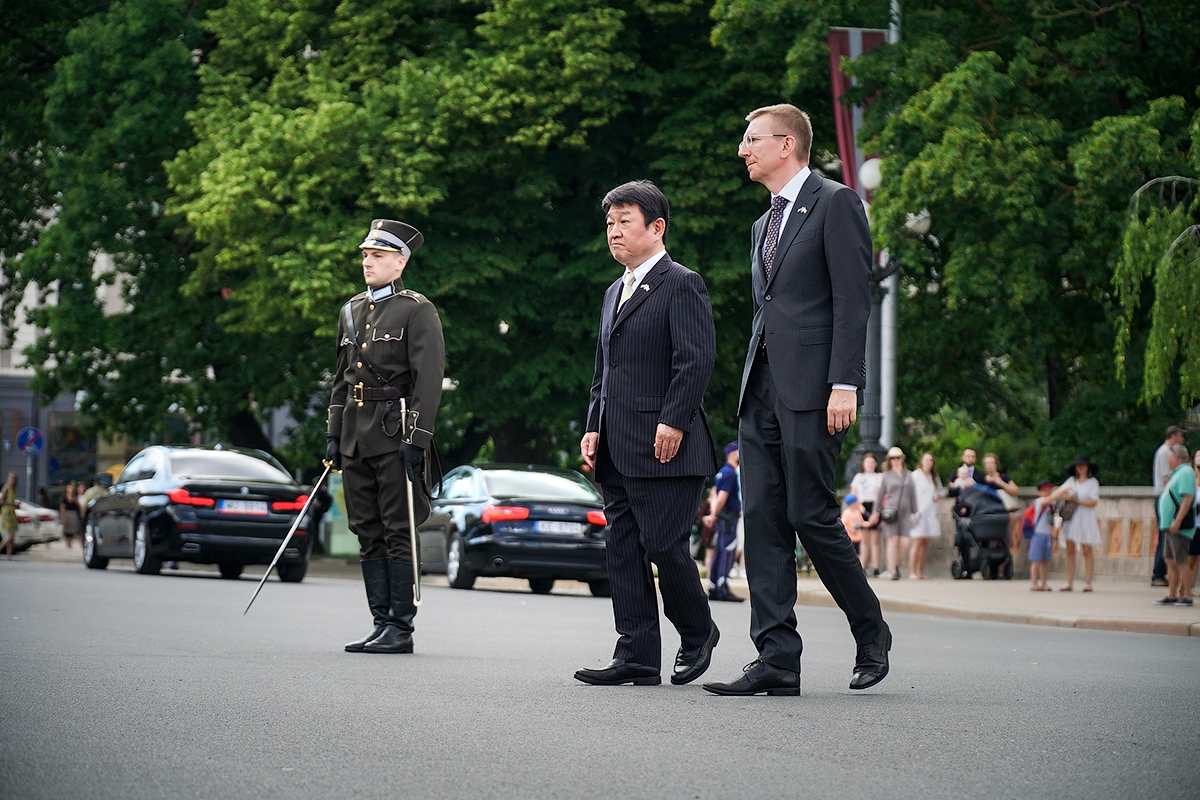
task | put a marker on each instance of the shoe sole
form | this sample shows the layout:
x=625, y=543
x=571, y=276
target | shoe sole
x=655, y=681
x=397, y=651
x=781, y=691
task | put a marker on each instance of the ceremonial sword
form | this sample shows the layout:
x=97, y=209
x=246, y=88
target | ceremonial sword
x=279, y=553
x=412, y=519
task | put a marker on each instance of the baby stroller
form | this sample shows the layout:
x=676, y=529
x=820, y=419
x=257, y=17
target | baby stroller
x=981, y=537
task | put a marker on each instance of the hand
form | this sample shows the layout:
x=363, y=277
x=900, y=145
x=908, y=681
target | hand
x=587, y=448
x=710, y=520
x=843, y=410
x=666, y=442
x=414, y=458
x=333, y=454
x=1174, y=527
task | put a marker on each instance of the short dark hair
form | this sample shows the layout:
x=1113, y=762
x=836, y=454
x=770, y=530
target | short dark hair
x=646, y=196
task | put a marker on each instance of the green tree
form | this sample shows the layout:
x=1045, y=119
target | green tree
x=496, y=131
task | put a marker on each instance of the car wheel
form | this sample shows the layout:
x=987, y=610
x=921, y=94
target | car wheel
x=293, y=571
x=90, y=559
x=230, y=571
x=456, y=567
x=600, y=588
x=541, y=585
x=143, y=559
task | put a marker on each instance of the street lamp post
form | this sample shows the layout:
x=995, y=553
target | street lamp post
x=870, y=421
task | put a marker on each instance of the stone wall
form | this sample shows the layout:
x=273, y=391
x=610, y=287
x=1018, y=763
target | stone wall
x=1128, y=535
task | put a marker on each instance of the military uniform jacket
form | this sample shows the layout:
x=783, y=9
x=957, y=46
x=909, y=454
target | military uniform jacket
x=401, y=334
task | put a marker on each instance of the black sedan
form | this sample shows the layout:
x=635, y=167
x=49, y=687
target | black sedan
x=207, y=505
x=509, y=520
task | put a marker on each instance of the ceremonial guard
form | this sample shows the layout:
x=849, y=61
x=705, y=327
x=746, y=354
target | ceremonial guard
x=386, y=392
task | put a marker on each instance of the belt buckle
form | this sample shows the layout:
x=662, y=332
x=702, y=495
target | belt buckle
x=356, y=393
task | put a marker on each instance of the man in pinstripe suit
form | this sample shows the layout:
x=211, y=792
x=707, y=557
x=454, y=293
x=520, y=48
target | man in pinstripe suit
x=648, y=441
x=805, y=367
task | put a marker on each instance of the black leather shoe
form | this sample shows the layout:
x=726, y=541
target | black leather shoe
x=377, y=580
x=727, y=597
x=618, y=672
x=759, y=677
x=871, y=664
x=691, y=664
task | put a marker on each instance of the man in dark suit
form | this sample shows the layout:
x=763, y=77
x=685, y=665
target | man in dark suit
x=648, y=441
x=810, y=264
x=974, y=473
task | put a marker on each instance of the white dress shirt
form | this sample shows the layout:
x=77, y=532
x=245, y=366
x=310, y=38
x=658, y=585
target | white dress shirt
x=789, y=192
x=642, y=269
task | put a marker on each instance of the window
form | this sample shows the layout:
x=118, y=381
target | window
x=529, y=485
x=226, y=465
x=460, y=487
x=135, y=465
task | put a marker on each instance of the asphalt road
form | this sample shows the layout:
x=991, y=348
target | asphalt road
x=117, y=685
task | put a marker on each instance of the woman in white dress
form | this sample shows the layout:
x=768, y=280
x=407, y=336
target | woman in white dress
x=929, y=488
x=865, y=485
x=1081, y=530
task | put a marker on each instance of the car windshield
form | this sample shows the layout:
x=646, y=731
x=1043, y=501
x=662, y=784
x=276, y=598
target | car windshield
x=225, y=465
x=539, y=486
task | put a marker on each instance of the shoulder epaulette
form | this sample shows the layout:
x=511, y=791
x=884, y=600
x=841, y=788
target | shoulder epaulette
x=409, y=293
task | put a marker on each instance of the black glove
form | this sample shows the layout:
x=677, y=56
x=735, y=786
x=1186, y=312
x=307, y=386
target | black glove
x=333, y=454
x=414, y=458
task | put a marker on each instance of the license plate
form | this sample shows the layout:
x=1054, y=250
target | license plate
x=252, y=507
x=553, y=526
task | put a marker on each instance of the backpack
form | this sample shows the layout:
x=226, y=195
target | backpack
x=1028, y=522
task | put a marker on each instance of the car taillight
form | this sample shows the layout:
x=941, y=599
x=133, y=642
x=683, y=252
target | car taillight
x=46, y=517
x=22, y=519
x=185, y=498
x=290, y=505
x=597, y=518
x=504, y=513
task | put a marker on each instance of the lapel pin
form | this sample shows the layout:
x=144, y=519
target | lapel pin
x=803, y=209
x=645, y=288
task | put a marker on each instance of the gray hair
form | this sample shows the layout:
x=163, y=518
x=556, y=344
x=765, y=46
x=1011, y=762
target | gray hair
x=1180, y=452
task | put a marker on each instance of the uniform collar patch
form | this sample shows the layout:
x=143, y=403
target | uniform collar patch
x=383, y=292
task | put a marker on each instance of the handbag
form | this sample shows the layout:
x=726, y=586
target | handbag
x=1066, y=508
x=893, y=514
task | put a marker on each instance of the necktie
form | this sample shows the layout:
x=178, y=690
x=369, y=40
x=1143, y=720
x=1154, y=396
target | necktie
x=773, y=224
x=627, y=292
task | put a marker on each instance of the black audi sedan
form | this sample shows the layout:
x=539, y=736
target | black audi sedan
x=206, y=505
x=509, y=520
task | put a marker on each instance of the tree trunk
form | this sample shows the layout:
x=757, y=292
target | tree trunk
x=518, y=444
x=1052, y=383
x=243, y=430
x=464, y=452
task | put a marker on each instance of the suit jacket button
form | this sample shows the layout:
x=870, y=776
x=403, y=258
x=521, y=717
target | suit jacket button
x=768, y=297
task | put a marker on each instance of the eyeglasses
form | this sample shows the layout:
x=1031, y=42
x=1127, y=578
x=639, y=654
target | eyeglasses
x=750, y=138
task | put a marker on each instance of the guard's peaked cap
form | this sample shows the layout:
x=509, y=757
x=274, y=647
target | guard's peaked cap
x=391, y=234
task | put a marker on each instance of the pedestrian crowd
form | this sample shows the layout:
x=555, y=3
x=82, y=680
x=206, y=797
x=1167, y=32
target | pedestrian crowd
x=892, y=512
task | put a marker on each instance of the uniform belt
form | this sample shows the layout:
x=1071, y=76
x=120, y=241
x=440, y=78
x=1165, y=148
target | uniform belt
x=361, y=394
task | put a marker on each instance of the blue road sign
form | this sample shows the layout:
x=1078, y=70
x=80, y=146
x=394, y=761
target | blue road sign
x=30, y=441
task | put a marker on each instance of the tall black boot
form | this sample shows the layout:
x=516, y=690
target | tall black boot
x=377, y=580
x=397, y=636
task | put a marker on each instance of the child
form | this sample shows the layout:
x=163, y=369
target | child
x=1043, y=538
x=854, y=519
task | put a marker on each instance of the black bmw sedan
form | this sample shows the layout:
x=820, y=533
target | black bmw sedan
x=207, y=505
x=509, y=520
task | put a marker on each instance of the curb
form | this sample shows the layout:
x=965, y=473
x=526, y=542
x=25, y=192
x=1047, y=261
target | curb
x=822, y=598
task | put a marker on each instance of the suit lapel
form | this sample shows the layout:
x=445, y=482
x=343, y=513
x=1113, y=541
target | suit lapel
x=646, y=288
x=798, y=215
x=760, y=236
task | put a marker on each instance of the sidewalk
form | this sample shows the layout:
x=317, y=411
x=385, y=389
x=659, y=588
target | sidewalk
x=1119, y=604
